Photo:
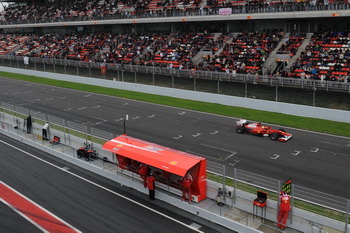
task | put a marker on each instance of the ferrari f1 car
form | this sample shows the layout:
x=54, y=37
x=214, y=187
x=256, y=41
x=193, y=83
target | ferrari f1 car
x=243, y=126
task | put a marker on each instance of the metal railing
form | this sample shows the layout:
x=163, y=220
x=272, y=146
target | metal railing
x=207, y=11
x=92, y=69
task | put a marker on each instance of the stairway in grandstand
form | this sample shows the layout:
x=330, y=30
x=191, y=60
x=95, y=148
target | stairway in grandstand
x=205, y=51
x=270, y=63
x=301, y=48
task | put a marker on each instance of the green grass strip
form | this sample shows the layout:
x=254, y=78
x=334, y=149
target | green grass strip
x=313, y=124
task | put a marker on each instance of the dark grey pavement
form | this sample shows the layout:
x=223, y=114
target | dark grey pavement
x=85, y=200
x=313, y=160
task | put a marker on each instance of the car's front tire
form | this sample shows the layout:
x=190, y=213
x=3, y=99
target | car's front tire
x=274, y=136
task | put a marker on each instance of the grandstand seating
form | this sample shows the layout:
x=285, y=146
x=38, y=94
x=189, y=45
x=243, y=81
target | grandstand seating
x=292, y=43
x=325, y=58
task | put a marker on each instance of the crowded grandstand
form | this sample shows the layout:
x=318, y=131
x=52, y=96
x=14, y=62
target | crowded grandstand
x=283, y=48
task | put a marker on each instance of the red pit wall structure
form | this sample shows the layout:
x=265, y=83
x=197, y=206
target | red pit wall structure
x=169, y=165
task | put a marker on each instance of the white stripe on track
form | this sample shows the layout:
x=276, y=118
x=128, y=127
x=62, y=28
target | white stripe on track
x=104, y=188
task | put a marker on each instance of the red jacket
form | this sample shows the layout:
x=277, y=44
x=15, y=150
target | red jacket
x=187, y=181
x=143, y=170
x=151, y=182
x=285, y=203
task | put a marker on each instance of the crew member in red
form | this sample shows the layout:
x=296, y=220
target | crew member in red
x=186, y=187
x=284, y=210
x=151, y=179
x=143, y=171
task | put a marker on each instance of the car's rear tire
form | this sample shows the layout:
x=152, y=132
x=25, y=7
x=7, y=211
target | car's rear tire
x=281, y=129
x=274, y=136
x=240, y=129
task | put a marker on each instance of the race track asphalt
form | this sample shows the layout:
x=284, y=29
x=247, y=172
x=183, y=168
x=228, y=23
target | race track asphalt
x=87, y=202
x=313, y=160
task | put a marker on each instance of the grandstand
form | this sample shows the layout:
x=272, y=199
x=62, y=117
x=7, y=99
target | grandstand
x=306, y=40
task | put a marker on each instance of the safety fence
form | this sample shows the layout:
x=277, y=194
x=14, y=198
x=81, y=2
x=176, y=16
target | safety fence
x=286, y=90
x=68, y=137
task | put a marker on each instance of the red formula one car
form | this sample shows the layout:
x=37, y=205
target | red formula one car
x=243, y=126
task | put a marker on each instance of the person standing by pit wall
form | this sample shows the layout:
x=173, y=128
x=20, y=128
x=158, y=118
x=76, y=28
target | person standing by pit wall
x=186, y=187
x=151, y=179
x=46, y=131
x=29, y=122
x=284, y=210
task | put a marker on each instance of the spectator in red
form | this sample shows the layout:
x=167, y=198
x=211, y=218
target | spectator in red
x=151, y=179
x=143, y=171
x=186, y=187
x=284, y=210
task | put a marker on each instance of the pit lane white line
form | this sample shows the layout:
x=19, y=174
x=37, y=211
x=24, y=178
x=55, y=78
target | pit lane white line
x=296, y=152
x=67, y=109
x=81, y=108
x=205, y=156
x=215, y=132
x=96, y=118
x=234, y=163
x=276, y=156
x=104, y=188
x=196, y=135
x=178, y=137
x=314, y=150
x=24, y=216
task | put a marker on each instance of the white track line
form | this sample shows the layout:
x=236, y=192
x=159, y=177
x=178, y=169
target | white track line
x=108, y=190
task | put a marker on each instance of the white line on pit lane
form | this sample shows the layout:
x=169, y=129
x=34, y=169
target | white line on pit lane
x=81, y=108
x=104, y=188
x=296, y=152
x=205, y=156
x=218, y=148
x=100, y=120
x=67, y=109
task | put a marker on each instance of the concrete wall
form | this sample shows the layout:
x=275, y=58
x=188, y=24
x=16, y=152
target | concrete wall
x=271, y=106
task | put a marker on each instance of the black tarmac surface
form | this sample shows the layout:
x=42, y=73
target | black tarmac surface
x=86, y=201
x=313, y=160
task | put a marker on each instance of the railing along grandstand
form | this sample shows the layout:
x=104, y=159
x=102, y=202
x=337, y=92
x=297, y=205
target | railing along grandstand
x=17, y=61
x=166, y=11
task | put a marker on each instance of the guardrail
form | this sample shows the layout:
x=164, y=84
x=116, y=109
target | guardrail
x=236, y=9
x=92, y=69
